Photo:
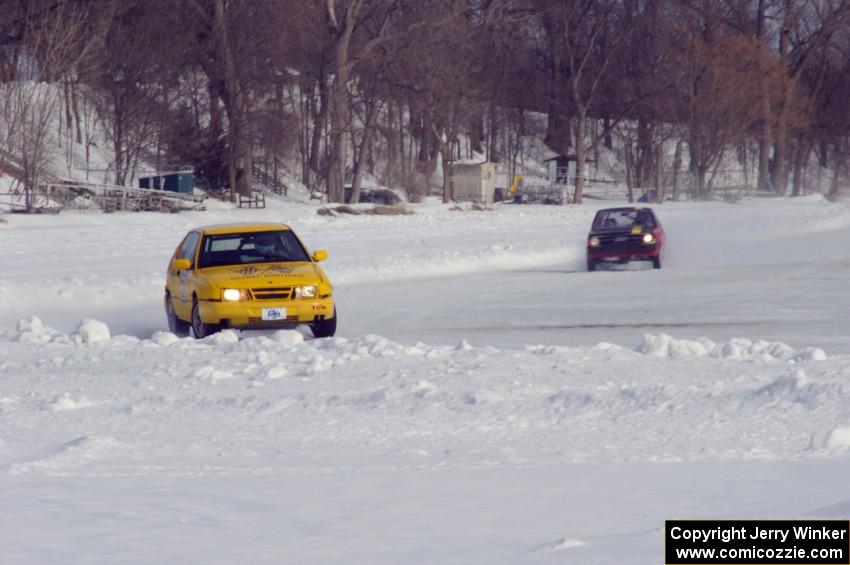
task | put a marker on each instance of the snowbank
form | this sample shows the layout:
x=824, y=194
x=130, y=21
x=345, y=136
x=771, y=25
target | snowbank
x=667, y=399
x=33, y=330
x=662, y=345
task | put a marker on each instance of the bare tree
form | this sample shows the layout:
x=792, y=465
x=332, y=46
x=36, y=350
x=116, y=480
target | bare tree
x=583, y=25
x=360, y=29
x=442, y=67
x=232, y=42
x=131, y=83
x=716, y=109
x=831, y=119
x=807, y=28
x=370, y=106
x=55, y=39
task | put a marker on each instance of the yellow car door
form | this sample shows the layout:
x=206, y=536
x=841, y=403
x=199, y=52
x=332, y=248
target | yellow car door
x=182, y=281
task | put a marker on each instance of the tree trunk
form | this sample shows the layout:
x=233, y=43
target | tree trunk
x=558, y=123
x=763, y=182
x=677, y=164
x=118, y=139
x=780, y=144
x=476, y=135
x=804, y=147
x=700, y=189
x=659, y=174
x=370, y=154
x=780, y=158
x=365, y=141
x=839, y=164
x=426, y=138
x=696, y=167
x=225, y=56
x=75, y=107
x=231, y=162
x=645, y=158
x=580, y=156
x=558, y=130
x=320, y=117
x=494, y=152
x=336, y=152
x=339, y=96
x=216, y=127
x=306, y=108
x=430, y=150
x=394, y=159
x=66, y=86
x=404, y=145
x=628, y=156
x=448, y=188
x=242, y=151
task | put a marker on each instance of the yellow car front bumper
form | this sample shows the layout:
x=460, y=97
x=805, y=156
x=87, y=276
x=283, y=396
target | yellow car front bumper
x=248, y=314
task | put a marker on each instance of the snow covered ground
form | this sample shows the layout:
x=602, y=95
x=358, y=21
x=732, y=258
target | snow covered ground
x=486, y=400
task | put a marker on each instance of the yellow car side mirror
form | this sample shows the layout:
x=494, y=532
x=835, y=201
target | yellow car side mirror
x=320, y=255
x=181, y=264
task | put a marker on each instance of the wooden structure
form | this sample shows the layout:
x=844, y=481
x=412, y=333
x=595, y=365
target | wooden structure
x=52, y=197
x=268, y=182
x=473, y=181
x=562, y=169
x=257, y=199
x=55, y=194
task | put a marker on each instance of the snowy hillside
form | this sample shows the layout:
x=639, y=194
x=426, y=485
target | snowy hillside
x=486, y=400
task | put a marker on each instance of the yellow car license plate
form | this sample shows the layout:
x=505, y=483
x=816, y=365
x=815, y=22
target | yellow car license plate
x=271, y=314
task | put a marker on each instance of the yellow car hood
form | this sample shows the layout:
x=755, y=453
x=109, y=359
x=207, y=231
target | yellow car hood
x=264, y=275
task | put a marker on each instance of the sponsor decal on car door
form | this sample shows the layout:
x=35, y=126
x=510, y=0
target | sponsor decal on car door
x=183, y=286
x=185, y=278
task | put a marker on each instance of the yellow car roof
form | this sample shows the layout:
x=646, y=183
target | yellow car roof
x=220, y=229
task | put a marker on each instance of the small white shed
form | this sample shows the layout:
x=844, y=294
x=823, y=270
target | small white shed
x=474, y=181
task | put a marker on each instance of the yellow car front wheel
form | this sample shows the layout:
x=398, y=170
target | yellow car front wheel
x=199, y=328
x=324, y=328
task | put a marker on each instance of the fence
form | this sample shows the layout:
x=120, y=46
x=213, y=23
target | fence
x=110, y=198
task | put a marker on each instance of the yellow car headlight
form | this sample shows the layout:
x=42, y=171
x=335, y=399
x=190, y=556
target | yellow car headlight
x=234, y=294
x=593, y=241
x=648, y=238
x=306, y=291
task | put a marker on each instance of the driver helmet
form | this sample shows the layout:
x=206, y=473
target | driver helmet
x=265, y=243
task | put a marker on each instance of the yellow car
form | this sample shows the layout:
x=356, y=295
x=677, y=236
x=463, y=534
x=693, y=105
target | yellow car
x=247, y=276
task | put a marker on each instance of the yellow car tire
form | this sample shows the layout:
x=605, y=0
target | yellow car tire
x=325, y=328
x=200, y=329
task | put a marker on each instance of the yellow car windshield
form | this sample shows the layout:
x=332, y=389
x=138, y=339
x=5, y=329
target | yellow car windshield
x=252, y=247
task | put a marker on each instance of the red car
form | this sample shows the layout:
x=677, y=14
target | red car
x=620, y=235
